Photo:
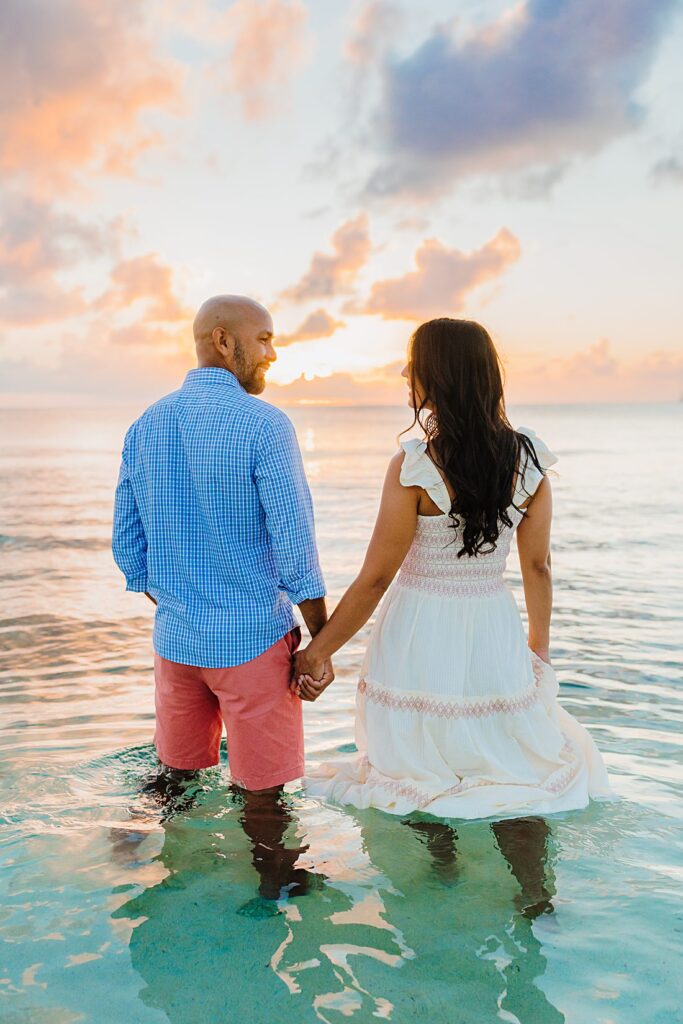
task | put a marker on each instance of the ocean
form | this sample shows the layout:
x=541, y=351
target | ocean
x=111, y=914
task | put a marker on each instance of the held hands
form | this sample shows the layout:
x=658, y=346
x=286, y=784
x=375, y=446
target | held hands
x=311, y=674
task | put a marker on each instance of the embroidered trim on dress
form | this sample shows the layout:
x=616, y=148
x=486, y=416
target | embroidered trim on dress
x=417, y=796
x=430, y=561
x=565, y=775
x=449, y=708
x=465, y=587
x=555, y=785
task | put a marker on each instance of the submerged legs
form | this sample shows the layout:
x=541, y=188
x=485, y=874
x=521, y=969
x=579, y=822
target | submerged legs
x=440, y=839
x=172, y=789
x=522, y=841
x=524, y=844
x=266, y=819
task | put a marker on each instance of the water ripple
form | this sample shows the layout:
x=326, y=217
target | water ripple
x=113, y=912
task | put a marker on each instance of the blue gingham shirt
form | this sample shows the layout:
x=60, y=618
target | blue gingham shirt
x=213, y=518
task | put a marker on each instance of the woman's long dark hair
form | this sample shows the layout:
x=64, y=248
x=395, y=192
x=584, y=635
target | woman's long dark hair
x=470, y=438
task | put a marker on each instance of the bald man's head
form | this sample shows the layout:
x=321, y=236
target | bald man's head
x=236, y=334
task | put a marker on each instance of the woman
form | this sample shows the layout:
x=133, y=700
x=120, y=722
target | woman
x=456, y=714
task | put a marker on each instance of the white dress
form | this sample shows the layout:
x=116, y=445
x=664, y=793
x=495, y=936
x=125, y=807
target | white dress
x=455, y=716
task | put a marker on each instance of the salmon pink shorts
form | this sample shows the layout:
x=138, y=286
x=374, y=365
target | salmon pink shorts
x=262, y=716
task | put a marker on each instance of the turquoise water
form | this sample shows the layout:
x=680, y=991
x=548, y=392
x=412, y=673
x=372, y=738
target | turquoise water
x=113, y=910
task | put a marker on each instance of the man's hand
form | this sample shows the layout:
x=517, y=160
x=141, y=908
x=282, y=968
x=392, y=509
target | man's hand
x=311, y=675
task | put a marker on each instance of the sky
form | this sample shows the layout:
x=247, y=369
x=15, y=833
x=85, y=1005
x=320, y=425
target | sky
x=359, y=167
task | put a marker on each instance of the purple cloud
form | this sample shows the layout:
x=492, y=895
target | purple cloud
x=550, y=80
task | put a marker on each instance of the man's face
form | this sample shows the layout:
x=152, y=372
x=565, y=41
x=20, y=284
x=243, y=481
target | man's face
x=253, y=351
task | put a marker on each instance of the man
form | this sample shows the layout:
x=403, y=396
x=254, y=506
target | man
x=213, y=521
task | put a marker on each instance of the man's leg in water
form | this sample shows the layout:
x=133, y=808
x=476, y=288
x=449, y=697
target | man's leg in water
x=172, y=789
x=265, y=819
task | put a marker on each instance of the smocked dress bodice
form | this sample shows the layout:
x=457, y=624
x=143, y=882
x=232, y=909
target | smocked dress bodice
x=432, y=563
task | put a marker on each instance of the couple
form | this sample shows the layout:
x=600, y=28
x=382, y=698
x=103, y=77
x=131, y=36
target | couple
x=457, y=713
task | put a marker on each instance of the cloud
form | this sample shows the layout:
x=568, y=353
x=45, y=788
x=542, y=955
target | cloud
x=550, y=80
x=96, y=364
x=318, y=324
x=374, y=24
x=597, y=360
x=330, y=275
x=142, y=335
x=144, y=278
x=36, y=239
x=270, y=42
x=39, y=245
x=77, y=76
x=442, y=280
x=596, y=374
x=43, y=250
x=42, y=253
x=381, y=386
x=668, y=170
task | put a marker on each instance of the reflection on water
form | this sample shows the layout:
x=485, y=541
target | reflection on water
x=136, y=899
x=361, y=941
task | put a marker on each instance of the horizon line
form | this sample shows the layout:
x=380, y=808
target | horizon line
x=7, y=403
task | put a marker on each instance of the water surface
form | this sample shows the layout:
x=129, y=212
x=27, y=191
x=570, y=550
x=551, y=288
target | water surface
x=111, y=914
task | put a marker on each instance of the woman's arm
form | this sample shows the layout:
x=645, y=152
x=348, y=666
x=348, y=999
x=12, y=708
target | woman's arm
x=533, y=544
x=391, y=538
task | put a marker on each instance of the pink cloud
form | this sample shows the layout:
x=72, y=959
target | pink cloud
x=145, y=278
x=442, y=281
x=318, y=324
x=596, y=374
x=130, y=364
x=270, y=42
x=76, y=79
x=374, y=25
x=381, y=386
x=597, y=360
x=328, y=275
x=142, y=335
x=39, y=244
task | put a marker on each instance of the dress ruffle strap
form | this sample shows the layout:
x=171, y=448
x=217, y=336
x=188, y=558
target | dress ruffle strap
x=530, y=477
x=418, y=470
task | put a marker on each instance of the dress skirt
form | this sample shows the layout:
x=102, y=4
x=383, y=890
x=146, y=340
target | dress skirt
x=456, y=717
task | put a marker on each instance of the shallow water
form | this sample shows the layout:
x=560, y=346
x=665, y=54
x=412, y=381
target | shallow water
x=110, y=913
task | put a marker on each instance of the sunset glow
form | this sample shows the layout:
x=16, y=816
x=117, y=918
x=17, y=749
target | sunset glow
x=358, y=168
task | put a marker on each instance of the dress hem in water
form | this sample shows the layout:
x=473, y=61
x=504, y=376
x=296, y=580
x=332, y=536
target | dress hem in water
x=578, y=775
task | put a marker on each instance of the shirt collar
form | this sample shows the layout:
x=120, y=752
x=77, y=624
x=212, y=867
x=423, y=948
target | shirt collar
x=203, y=375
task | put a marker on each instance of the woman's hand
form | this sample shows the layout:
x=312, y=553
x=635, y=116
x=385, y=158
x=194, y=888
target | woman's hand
x=542, y=652
x=307, y=662
x=391, y=539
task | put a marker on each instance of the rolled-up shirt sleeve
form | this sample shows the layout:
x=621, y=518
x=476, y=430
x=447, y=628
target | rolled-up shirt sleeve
x=286, y=502
x=129, y=543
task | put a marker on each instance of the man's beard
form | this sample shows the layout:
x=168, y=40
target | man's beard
x=251, y=377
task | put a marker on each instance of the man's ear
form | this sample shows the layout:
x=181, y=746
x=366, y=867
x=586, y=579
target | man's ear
x=222, y=340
